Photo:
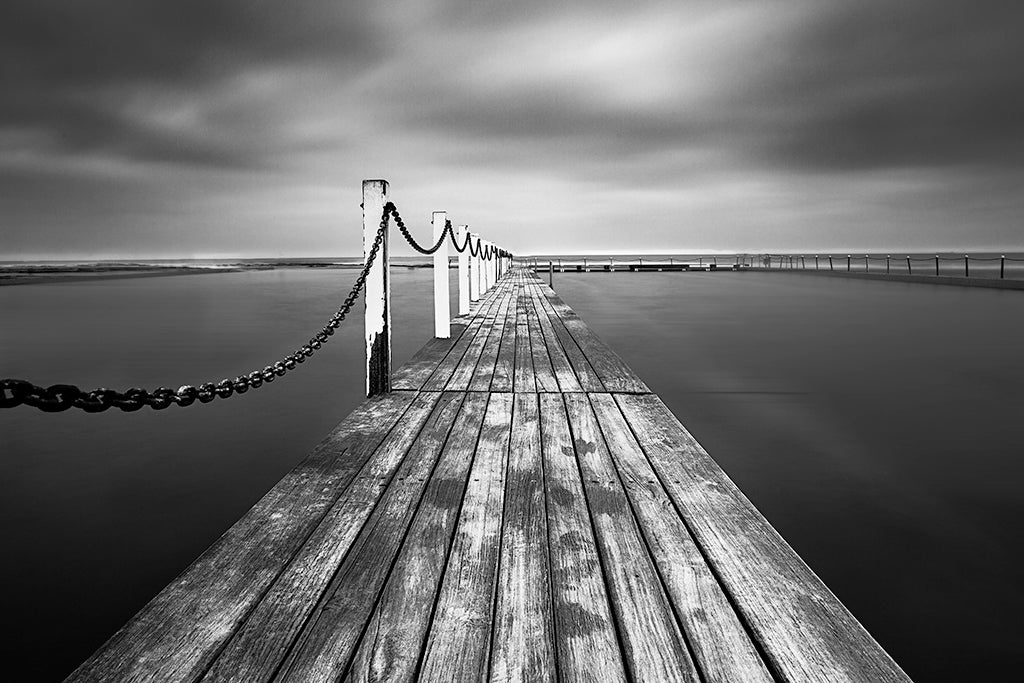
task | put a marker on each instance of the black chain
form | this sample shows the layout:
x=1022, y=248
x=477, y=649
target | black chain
x=488, y=252
x=58, y=397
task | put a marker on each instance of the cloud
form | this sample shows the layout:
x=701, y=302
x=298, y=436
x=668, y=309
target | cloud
x=731, y=124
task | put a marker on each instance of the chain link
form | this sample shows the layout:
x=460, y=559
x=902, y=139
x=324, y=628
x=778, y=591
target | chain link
x=59, y=397
x=488, y=252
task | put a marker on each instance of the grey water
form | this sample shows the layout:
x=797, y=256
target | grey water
x=876, y=425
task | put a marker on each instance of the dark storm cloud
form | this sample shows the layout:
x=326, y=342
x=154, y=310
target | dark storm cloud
x=910, y=83
x=67, y=66
x=836, y=86
x=747, y=122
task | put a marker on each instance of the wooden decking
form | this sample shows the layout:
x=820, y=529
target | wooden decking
x=521, y=507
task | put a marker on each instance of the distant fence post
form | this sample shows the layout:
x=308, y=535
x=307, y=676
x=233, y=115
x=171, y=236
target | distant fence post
x=936, y=264
x=377, y=292
x=887, y=257
x=551, y=275
x=967, y=267
x=910, y=271
x=849, y=260
x=867, y=266
x=830, y=262
x=442, y=309
x=815, y=261
x=464, y=275
x=1002, y=266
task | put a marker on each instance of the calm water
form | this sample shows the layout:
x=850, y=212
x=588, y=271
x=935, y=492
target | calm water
x=875, y=424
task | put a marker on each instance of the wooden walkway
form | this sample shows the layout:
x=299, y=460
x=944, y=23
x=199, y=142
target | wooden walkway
x=522, y=508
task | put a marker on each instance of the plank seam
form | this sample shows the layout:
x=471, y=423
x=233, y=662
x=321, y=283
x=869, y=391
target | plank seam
x=451, y=545
x=322, y=599
x=765, y=656
x=298, y=548
x=643, y=537
x=627, y=663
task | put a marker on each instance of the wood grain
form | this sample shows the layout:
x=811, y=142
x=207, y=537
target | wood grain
x=504, y=367
x=458, y=645
x=328, y=640
x=654, y=647
x=585, y=638
x=177, y=634
x=391, y=647
x=807, y=633
x=721, y=646
x=523, y=640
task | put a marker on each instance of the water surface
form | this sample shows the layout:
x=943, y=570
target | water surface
x=876, y=424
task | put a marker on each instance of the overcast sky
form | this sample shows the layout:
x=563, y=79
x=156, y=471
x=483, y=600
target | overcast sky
x=212, y=127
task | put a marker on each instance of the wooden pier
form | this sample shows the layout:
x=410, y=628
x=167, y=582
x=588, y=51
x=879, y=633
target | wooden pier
x=518, y=507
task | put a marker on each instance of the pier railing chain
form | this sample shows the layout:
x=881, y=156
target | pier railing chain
x=487, y=253
x=59, y=397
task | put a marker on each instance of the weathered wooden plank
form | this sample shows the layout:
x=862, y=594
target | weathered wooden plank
x=720, y=645
x=524, y=379
x=806, y=632
x=417, y=370
x=175, y=636
x=523, y=640
x=614, y=373
x=463, y=373
x=654, y=647
x=584, y=629
x=458, y=644
x=391, y=647
x=564, y=373
x=257, y=648
x=438, y=379
x=585, y=373
x=484, y=371
x=544, y=373
x=327, y=642
x=504, y=367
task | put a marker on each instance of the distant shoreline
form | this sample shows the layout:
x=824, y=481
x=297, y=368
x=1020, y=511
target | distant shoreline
x=56, y=274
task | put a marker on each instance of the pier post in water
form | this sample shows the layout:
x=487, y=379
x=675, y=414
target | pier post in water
x=442, y=309
x=474, y=271
x=377, y=292
x=460, y=238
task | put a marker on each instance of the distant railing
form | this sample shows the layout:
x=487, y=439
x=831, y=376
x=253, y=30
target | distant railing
x=966, y=266
x=937, y=265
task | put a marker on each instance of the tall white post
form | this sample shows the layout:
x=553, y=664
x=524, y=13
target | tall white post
x=475, y=280
x=486, y=269
x=489, y=268
x=460, y=238
x=377, y=290
x=442, y=309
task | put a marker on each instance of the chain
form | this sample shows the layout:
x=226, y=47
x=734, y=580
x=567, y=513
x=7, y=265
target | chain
x=59, y=397
x=391, y=209
x=488, y=252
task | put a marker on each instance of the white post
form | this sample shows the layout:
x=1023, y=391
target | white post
x=442, y=309
x=484, y=268
x=460, y=238
x=474, y=275
x=377, y=319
